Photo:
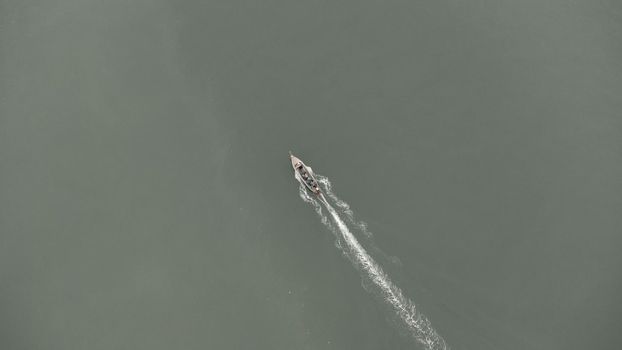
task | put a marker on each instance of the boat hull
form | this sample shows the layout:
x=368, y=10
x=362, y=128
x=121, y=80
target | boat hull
x=305, y=175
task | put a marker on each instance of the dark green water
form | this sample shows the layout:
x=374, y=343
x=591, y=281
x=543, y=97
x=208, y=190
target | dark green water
x=147, y=201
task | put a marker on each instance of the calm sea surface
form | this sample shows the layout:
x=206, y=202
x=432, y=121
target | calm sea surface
x=147, y=200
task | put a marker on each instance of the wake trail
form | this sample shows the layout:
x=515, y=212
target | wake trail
x=416, y=323
x=344, y=208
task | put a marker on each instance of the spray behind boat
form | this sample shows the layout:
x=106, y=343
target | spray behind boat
x=404, y=308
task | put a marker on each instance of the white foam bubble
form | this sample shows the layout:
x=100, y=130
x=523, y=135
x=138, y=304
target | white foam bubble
x=418, y=325
x=344, y=209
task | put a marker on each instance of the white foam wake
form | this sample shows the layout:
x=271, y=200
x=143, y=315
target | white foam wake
x=416, y=323
x=344, y=208
x=342, y=205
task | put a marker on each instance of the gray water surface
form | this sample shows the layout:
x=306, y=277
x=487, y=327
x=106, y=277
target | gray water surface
x=147, y=201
